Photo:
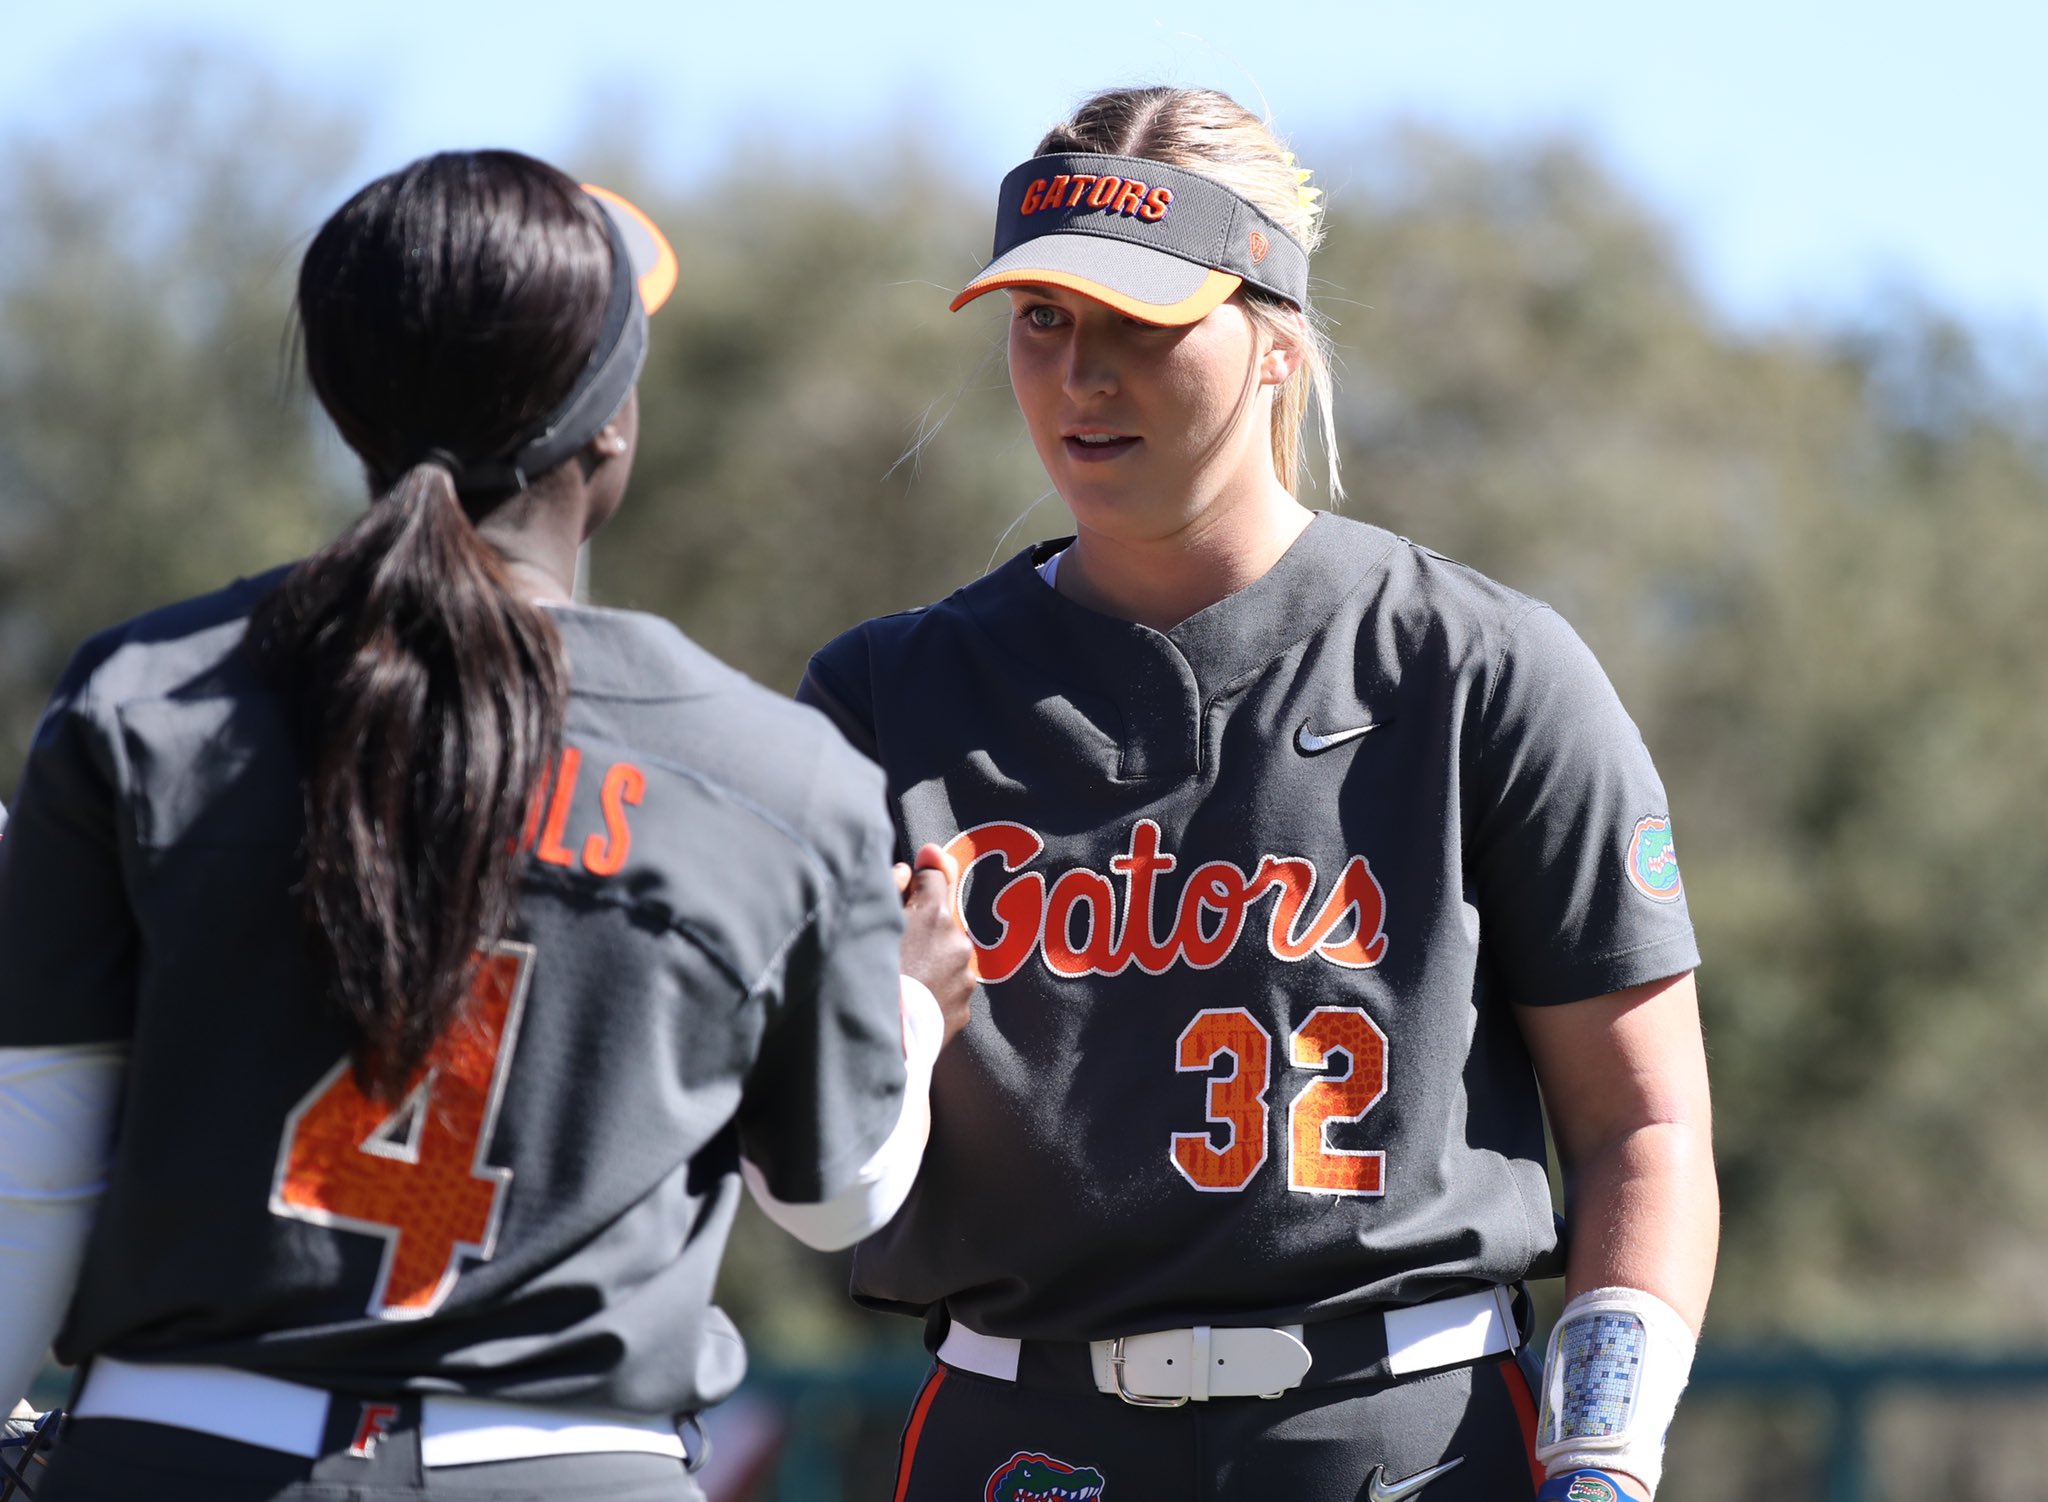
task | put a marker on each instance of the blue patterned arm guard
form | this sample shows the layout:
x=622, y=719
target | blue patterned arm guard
x=1617, y=1362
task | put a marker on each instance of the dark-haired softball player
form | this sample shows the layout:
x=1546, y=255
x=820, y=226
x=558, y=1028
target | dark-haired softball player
x=405, y=965
x=1296, y=858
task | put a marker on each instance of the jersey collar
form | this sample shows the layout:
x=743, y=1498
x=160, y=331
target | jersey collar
x=1162, y=682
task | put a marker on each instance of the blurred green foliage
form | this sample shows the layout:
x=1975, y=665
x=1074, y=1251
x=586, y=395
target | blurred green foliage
x=1811, y=558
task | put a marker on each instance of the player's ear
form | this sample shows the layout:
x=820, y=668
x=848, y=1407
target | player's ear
x=1286, y=341
x=607, y=462
x=615, y=440
x=611, y=442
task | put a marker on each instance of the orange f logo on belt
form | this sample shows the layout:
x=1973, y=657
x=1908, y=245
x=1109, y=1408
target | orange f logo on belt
x=375, y=1423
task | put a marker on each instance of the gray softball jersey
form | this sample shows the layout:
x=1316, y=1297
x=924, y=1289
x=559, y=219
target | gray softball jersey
x=704, y=964
x=1251, y=899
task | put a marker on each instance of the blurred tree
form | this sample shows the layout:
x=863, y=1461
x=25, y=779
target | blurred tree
x=150, y=446
x=1814, y=568
x=782, y=491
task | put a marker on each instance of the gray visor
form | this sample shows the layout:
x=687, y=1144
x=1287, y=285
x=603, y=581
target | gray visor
x=1150, y=240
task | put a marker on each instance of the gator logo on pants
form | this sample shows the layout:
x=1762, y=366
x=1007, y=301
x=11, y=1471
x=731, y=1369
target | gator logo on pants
x=1031, y=1477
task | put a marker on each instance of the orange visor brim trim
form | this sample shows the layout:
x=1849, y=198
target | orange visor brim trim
x=1199, y=304
x=658, y=281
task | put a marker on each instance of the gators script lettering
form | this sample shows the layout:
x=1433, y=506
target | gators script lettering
x=1115, y=917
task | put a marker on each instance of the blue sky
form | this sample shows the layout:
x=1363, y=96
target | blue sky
x=1808, y=151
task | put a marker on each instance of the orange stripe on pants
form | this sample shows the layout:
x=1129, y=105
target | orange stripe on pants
x=1525, y=1409
x=915, y=1430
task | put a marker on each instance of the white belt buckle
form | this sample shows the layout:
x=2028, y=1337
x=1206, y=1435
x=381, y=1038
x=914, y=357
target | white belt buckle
x=1136, y=1399
x=1167, y=1368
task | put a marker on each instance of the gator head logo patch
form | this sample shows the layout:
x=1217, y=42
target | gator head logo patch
x=1652, y=862
x=1031, y=1477
x=1591, y=1489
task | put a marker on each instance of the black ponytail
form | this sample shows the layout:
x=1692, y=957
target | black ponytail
x=442, y=308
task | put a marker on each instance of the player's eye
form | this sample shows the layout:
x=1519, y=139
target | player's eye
x=1039, y=315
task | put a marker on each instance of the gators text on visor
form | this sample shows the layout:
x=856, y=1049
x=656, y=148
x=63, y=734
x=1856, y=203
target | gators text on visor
x=1154, y=242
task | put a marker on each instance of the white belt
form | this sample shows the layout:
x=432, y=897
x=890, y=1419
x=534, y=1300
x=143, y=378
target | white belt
x=286, y=1416
x=1166, y=1368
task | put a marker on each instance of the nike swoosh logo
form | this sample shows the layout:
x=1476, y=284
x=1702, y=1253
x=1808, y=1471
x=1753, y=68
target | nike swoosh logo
x=1308, y=743
x=1379, y=1490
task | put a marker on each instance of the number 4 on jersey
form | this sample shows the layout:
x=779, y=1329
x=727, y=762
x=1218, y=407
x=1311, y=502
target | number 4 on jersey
x=413, y=1173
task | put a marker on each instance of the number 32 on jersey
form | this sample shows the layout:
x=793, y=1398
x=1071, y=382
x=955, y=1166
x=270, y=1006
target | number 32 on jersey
x=413, y=1173
x=1237, y=1101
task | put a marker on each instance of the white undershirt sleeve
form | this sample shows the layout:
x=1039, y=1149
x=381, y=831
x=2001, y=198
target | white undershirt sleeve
x=58, y=1109
x=883, y=1182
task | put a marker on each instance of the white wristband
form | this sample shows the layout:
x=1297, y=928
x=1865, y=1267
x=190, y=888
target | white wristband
x=1616, y=1365
x=924, y=1024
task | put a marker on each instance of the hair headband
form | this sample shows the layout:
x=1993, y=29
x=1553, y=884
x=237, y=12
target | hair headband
x=644, y=273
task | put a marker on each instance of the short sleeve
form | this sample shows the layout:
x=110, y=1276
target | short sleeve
x=827, y=1087
x=68, y=945
x=1570, y=846
x=834, y=684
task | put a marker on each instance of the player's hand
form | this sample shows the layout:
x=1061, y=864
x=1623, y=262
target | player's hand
x=935, y=947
